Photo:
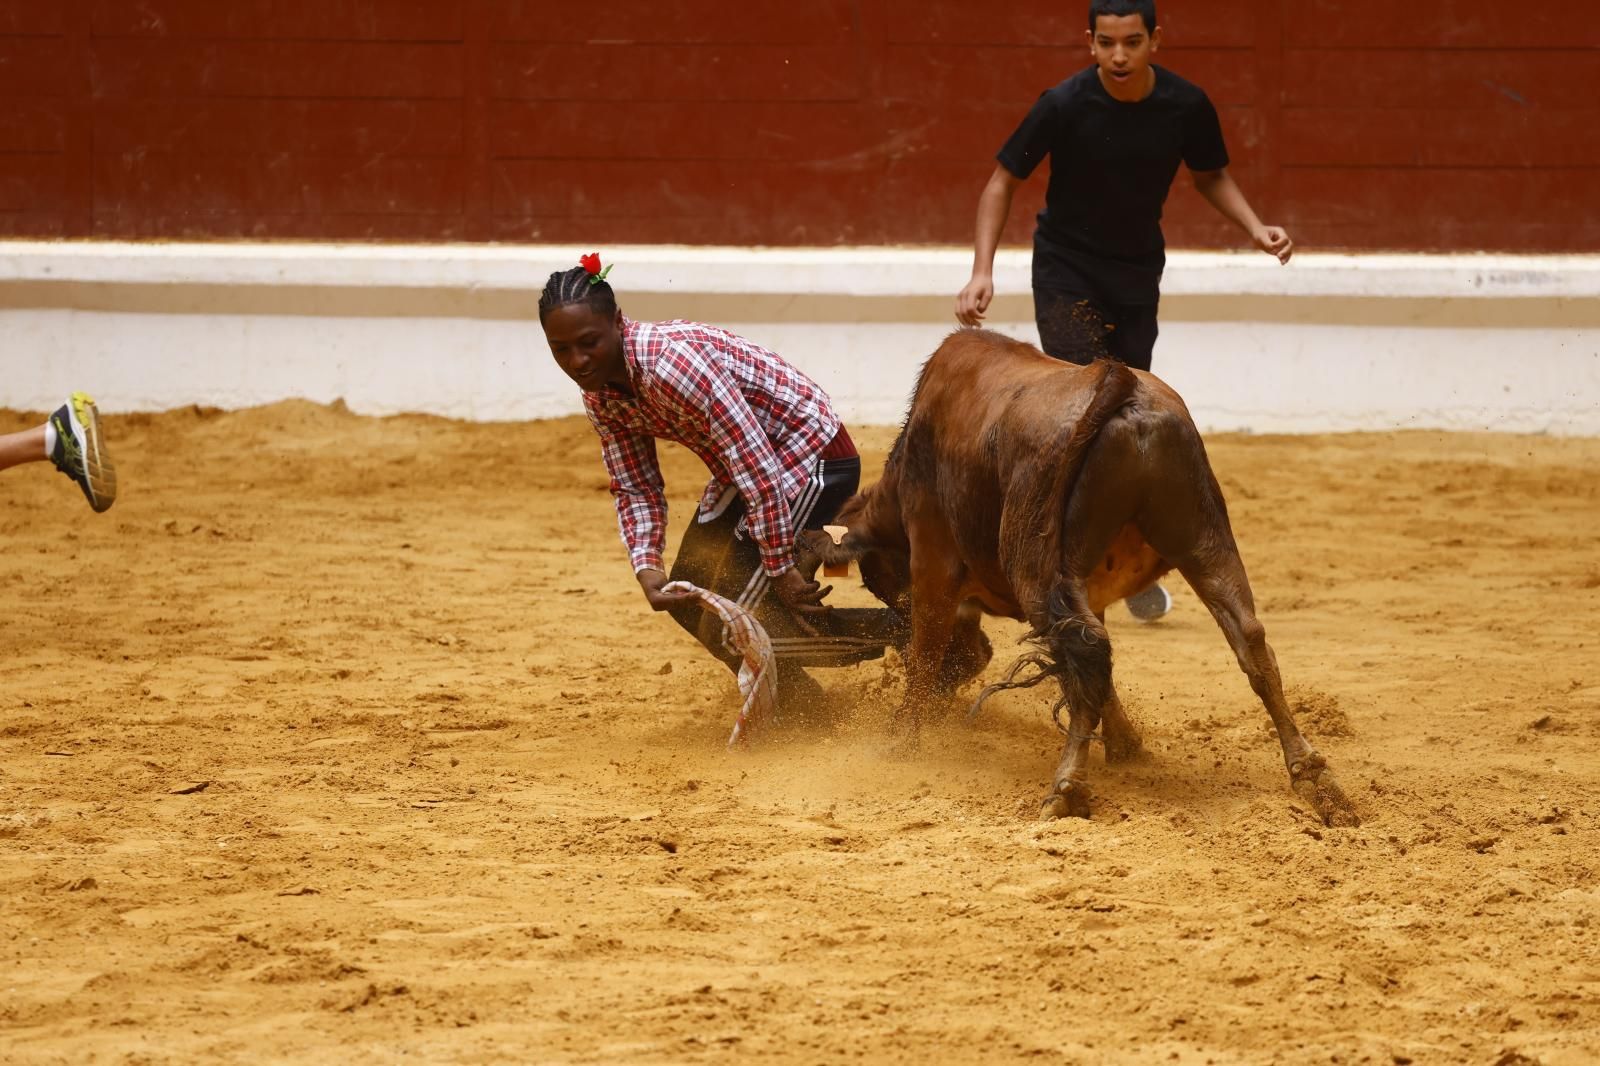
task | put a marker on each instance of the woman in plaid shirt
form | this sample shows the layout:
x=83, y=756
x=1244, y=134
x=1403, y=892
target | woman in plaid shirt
x=779, y=458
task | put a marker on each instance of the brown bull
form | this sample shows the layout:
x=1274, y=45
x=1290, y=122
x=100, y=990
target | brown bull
x=1044, y=491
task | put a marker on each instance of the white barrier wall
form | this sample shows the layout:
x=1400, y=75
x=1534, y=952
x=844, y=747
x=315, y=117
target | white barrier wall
x=1326, y=343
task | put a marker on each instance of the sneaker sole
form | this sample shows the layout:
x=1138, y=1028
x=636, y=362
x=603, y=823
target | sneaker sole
x=1166, y=607
x=99, y=472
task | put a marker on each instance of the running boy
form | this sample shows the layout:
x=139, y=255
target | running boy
x=1115, y=133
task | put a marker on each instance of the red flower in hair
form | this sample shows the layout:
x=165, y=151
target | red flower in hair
x=591, y=263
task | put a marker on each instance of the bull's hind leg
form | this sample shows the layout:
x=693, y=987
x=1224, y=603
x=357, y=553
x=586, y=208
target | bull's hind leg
x=1221, y=584
x=1184, y=518
x=1081, y=648
x=1075, y=631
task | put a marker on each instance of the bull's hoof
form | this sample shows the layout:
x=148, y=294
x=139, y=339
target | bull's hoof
x=1072, y=802
x=1316, y=786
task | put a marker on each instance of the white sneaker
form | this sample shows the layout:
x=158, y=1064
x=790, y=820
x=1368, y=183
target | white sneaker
x=1154, y=602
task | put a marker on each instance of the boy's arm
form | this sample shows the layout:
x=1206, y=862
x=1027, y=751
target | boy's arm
x=1218, y=187
x=994, y=205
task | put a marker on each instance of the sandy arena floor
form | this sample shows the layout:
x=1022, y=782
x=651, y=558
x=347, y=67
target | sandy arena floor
x=350, y=740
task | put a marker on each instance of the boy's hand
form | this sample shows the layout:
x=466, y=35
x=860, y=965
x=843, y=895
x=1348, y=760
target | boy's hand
x=1274, y=241
x=973, y=301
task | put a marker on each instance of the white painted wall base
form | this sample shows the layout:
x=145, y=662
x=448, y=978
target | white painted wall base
x=1327, y=343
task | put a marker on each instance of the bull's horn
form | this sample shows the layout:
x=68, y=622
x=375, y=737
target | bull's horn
x=837, y=533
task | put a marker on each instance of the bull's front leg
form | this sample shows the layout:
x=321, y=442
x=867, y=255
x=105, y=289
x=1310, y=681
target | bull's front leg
x=1121, y=737
x=935, y=583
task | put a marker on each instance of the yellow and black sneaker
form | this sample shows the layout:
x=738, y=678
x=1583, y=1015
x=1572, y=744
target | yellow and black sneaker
x=80, y=451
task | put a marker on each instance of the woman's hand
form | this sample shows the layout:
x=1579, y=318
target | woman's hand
x=802, y=597
x=651, y=581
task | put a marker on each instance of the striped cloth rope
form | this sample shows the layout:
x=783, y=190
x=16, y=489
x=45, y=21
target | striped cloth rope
x=758, y=677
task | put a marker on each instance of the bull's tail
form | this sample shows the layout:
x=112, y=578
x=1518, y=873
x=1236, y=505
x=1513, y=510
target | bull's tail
x=1069, y=642
x=1074, y=649
x=1112, y=392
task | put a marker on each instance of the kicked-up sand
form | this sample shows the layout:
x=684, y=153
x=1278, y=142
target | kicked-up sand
x=351, y=740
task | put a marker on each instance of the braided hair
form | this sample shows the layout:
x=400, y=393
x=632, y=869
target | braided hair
x=577, y=286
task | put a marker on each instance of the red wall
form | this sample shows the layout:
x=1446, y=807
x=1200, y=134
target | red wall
x=1458, y=124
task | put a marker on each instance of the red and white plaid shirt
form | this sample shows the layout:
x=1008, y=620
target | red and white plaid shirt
x=755, y=421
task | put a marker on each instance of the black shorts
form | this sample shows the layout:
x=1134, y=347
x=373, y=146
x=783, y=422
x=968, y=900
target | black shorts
x=1090, y=308
x=1077, y=328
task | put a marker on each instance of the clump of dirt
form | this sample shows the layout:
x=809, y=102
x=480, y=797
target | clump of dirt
x=1319, y=713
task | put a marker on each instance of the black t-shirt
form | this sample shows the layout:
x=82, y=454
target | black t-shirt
x=1111, y=165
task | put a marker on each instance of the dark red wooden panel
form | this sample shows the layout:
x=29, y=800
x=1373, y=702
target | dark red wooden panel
x=1479, y=233
x=1485, y=24
x=612, y=227
x=653, y=130
x=715, y=196
x=849, y=214
x=31, y=18
x=364, y=20
x=843, y=134
x=1418, y=137
x=1441, y=209
x=625, y=71
x=1463, y=124
x=202, y=127
x=1059, y=26
x=126, y=68
x=34, y=125
x=1243, y=130
x=1467, y=81
x=34, y=66
x=1343, y=194
x=1229, y=77
x=1209, y=23
x=693, y=188
x=679, y=22
x=755, y=203
x=281, y=184
x=135, y=223
x=33, y=224
x=32, y=182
